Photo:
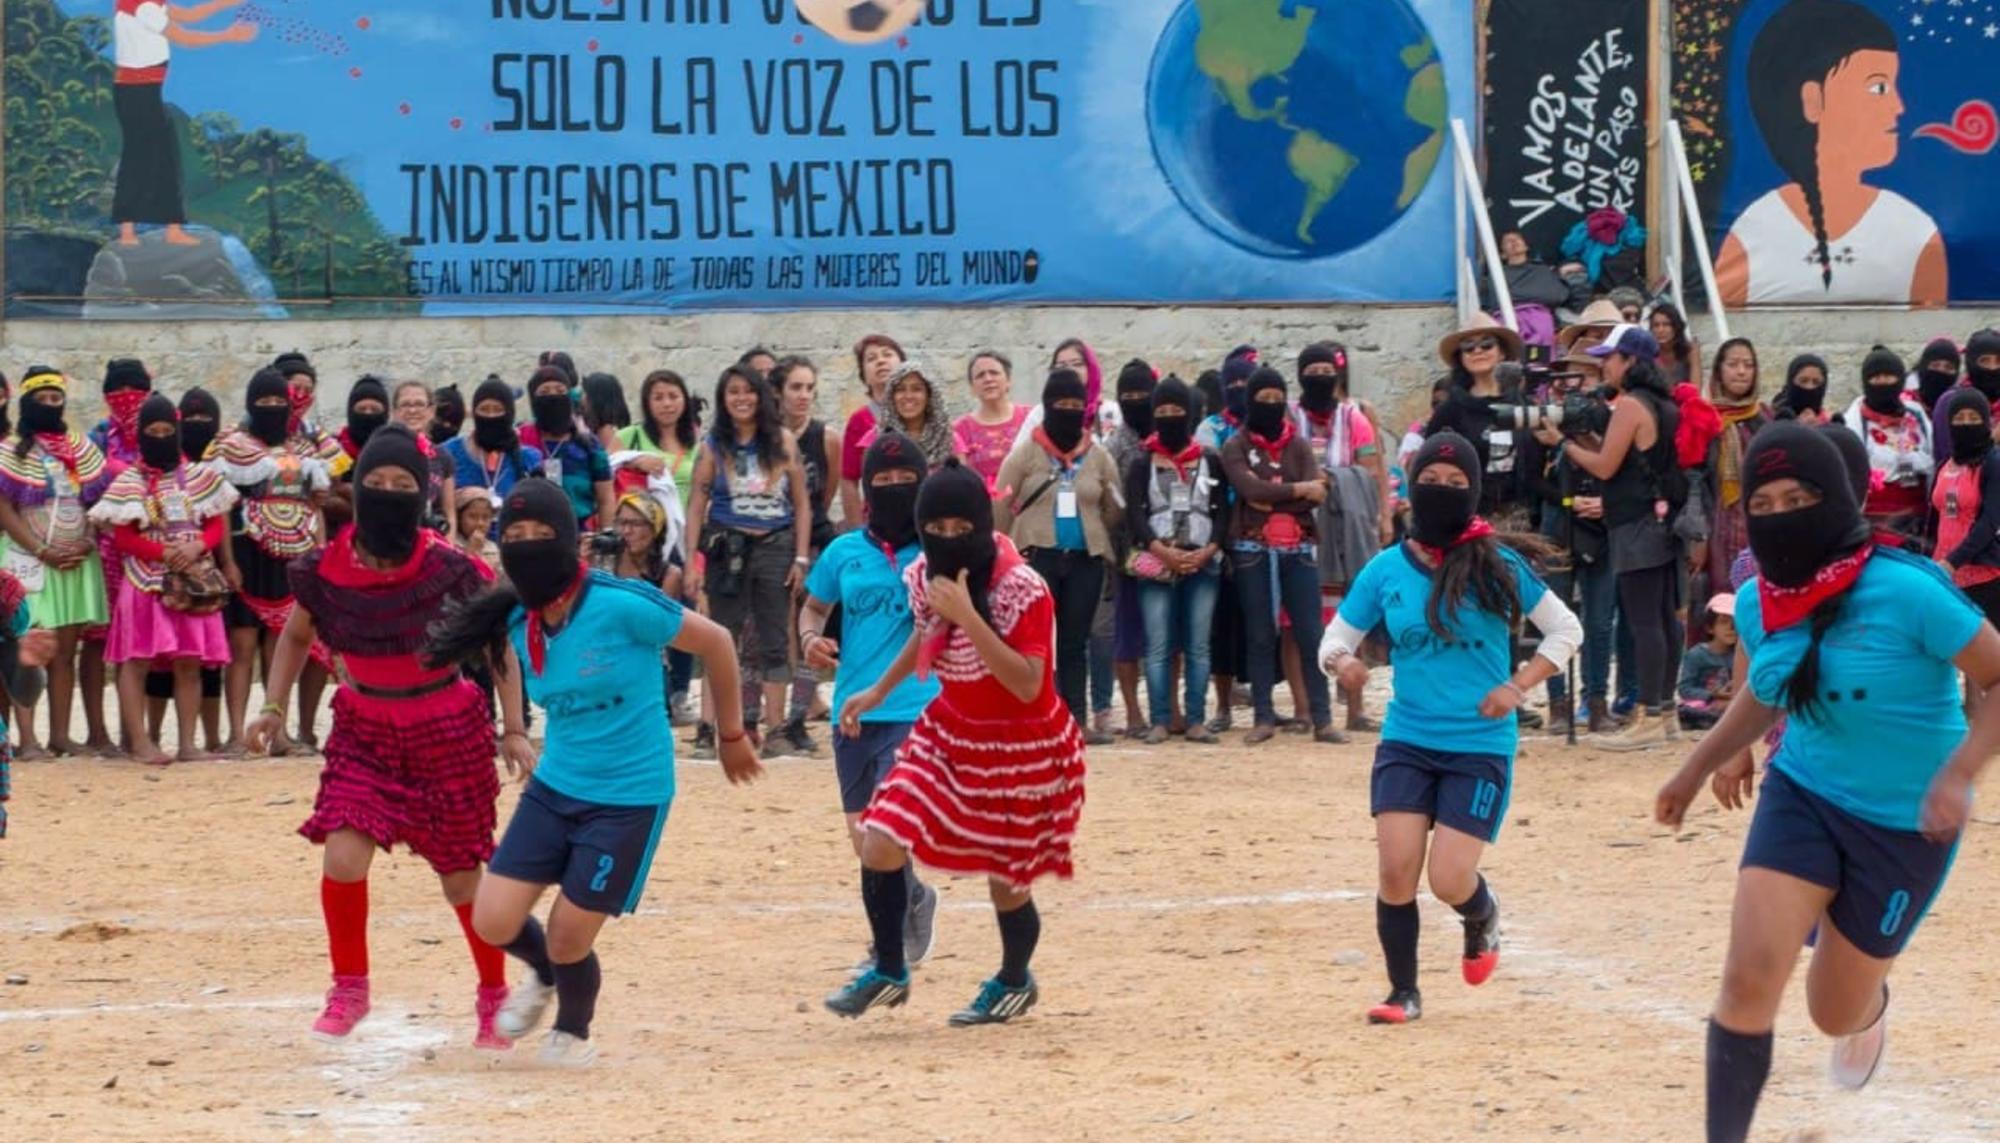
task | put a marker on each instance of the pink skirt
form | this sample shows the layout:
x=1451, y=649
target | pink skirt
x=145, y=628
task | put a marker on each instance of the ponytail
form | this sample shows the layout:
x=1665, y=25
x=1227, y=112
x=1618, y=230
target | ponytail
x=471, y=628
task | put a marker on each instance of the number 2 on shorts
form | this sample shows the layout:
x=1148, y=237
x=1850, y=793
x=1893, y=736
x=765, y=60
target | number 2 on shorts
x=604, y=867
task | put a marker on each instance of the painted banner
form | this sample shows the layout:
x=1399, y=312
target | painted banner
x=1843, y=149
x=575, y=156
x=1565, y=115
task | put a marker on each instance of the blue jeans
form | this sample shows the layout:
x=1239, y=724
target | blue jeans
x=1297, y=591
x=1597, y=603
x=1178, y=614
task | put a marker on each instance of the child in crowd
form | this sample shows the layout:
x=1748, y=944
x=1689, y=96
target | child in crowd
x=1707, y=669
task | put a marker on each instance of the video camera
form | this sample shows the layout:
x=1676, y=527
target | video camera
x=606, y=542
x=1579, y=414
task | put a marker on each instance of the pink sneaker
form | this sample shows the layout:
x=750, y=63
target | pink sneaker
x=346, y=1005
x=488, y=1006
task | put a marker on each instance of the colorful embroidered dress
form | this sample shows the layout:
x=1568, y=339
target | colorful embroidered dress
x=143, y=511
x=277, y=514
x=51, y=486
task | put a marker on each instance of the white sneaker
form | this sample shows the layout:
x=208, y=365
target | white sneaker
x=1858, y=1057
x=562, y=1050
x=526, y=1002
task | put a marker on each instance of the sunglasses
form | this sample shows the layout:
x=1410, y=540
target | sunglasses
x=1478, y=344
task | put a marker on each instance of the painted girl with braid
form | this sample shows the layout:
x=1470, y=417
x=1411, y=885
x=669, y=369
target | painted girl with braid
x=1821, y=82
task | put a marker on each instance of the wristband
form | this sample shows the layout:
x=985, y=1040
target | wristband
x=271, y=708
x=741, y=733
x=506, y=734
x=802, y=561
x=1516, y=688
x=806, y=638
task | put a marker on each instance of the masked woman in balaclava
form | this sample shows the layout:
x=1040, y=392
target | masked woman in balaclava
x=50, y=475
x=282, y=473
x=1859, y=647
x=165, y=517
x=585, y=646
x=861, y=572
x=409, y=760
x=990, y=779
x=1450, y=597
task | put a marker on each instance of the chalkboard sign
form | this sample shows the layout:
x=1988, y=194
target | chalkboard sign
x=1565, y=115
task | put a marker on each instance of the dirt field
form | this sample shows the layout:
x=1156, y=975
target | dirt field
x=1203, y=978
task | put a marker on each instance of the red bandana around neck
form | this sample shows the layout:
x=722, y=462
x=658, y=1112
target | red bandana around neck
x=1273, y=448
x=538, y=640
x=1067, y=458
x=1181, y=460
x=61, y=447
x=1479, y=529
x=1787, y=606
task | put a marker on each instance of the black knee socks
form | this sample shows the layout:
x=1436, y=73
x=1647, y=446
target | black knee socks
x=531, y=947
x=887, y=898
x=1020, y=932
x=1397, y=926
x=1738, y=1064
x=576, y=996
x=1479, y=906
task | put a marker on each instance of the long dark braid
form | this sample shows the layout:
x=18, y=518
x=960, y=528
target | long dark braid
x=1802, y=690
x=1816, y=209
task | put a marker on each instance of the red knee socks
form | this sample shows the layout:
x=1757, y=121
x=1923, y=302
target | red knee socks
x=345, y=904
x=491, y=962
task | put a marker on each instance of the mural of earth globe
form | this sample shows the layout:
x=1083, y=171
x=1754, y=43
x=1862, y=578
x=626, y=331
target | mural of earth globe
x=1292, y=129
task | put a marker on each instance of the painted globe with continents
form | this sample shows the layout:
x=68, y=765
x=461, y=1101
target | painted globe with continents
x=1296, y=129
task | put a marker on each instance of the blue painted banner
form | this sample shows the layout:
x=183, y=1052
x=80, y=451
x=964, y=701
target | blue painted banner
x=565, y=156
x=1843, y=148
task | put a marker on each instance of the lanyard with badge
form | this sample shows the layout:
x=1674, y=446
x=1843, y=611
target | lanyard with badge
x=1065, y=491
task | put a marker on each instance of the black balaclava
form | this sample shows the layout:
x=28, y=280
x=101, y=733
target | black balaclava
x=540, y=570
x=1884, y=397
x=126, y=373
x=1063, y=426
x=1980, y=344
x=1266, y=419
x=1854, y=456
x=494, y=434
x=1318, y=393
x=1208, y=385
x=387, y=522
x=1135, y=396
x=449, y=418
x=1804, y=400
x=1175, y=430
x=360, y=426
x=553, y=412
x=955, y=491
x=1933, y=384
x=37, y=418
x=1791, y=547
x=892, y=508
x=563, y=363
x=1235, y=375
x=1969, y=443
x=1439, y=513
x=270, y=424
x=161, y=453
x=201, y=419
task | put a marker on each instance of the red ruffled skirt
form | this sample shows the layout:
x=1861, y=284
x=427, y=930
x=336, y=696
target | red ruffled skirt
x=416, y=772
x=994, y=796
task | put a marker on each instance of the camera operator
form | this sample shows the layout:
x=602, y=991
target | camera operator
x=1572, y=520
x=1479, y=390
x=1644, y=489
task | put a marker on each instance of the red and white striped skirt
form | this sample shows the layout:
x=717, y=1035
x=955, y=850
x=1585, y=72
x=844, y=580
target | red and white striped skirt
x=994, y=796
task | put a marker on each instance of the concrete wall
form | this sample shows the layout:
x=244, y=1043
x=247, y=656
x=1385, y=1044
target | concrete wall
x=1394, y=347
